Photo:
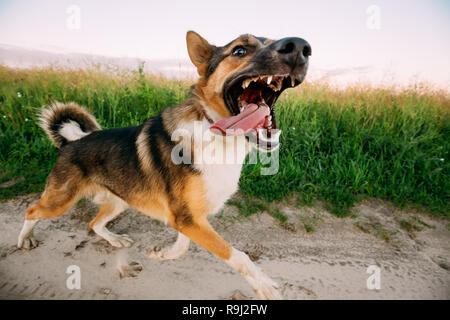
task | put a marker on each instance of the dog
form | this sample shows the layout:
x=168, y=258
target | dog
x=237, y=88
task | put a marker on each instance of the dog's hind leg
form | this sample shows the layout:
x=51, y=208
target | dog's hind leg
x=58, y=197
x=110, y=207
x=175, y=251
x=201, y=232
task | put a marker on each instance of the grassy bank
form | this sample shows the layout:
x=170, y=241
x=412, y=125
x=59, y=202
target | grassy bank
x=338, y=146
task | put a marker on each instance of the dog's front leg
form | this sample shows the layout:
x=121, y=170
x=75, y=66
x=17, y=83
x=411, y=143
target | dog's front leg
x=203, y=234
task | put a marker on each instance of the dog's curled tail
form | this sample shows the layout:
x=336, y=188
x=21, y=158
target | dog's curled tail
x=66, y=122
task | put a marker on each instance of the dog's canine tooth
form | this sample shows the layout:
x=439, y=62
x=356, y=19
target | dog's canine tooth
x=292, y=80
x=269, y=79
x=279, y=85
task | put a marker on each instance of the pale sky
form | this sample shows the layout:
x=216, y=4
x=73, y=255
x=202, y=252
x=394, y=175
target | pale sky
x=412, y=41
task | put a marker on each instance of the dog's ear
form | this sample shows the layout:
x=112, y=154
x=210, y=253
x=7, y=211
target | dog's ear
x=200, y=51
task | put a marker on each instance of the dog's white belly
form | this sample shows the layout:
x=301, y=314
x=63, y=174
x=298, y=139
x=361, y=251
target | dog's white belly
x=221, y=181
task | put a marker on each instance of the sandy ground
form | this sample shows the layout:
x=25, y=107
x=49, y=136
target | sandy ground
x=329, y=263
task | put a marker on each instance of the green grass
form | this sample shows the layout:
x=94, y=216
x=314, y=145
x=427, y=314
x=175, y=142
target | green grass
x=344, y=146
x=309, y=222
x=338, y=146
x=414, y=224
x=249, y=206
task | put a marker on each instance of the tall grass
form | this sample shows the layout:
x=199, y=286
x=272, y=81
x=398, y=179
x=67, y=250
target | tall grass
x=338, y=146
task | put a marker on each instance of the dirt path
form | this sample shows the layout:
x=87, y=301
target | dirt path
x=412, y=251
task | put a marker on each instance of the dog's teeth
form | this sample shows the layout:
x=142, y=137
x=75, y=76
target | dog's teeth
x=292, y=81
x=280, y=84
x=269, y=79
x=276, y=86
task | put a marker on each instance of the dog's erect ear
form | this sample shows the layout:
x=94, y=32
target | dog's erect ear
x=200, y=51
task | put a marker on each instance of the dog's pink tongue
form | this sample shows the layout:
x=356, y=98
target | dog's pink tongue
x=252, y=117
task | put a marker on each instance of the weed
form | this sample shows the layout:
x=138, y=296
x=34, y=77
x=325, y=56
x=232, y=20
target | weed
x=309, y=222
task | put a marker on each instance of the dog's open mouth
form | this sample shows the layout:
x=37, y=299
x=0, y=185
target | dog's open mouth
x=251, y=101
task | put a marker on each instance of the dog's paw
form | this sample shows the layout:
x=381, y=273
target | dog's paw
x=169, y=253
x=27, y=243
x=268, y=291
x=120, y=240
x=265, y=288
x=156, y=253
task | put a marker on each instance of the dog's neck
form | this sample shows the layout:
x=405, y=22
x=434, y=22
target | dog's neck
x=210, y=100
x=194, y=108
x=208, y=118
x=210, y=115
x=193, y=116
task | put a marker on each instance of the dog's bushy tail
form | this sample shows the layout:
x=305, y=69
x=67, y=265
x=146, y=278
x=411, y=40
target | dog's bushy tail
x=66, y=122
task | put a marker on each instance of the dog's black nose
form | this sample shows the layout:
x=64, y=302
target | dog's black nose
x=294, y=51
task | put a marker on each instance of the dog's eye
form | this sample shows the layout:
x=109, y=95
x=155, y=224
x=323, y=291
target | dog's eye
x=239, y=51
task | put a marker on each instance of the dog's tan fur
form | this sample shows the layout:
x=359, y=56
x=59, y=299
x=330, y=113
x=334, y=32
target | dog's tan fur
x=133, y=166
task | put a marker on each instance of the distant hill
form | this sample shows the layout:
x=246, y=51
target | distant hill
x=20, y=57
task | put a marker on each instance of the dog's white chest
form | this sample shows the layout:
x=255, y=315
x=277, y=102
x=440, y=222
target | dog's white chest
x=221, y=171
x=221, y=181
x=219, y=160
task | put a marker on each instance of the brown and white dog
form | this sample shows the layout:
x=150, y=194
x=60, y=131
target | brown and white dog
x=135, y=166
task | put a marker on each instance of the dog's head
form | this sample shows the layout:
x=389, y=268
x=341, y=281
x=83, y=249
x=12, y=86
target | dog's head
x=247, y=71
